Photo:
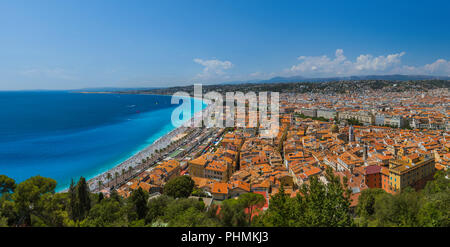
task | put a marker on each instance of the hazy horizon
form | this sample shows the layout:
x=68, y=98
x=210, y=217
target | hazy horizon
x=192, y=83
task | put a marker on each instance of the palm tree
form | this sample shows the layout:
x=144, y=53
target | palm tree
x=108, y=176
x=130, y=169
x=116, y=175
x=123, y=173
x=100, y=185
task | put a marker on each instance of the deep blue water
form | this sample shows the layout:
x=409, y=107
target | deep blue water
x=66, y=135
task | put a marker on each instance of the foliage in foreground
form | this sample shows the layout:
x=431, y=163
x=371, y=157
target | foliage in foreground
x=429, y=207
x=35, y=203
x=316, y=205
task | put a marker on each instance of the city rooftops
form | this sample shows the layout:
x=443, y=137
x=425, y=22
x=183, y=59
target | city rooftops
x=405, y=164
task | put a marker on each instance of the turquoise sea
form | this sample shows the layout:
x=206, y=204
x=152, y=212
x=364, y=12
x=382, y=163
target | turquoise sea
x=65, y=135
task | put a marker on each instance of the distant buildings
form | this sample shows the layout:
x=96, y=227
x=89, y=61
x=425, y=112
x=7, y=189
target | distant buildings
x=326, y=113
x=216, y=166
x=396, y=121
x=309, y=112
x=153, y=179
x=364, y=117
x=374, y=155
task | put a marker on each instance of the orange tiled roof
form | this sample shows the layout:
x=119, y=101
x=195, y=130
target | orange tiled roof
x=220, y=188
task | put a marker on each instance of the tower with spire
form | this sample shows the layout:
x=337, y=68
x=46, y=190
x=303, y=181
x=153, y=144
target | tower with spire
x=351, y=134
x=365, y=151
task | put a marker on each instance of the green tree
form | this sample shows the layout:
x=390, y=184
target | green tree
x=384, y=209
x=179, y=187
x=72, y=201
x=156, y=208
x=28, y=197
x=192, y=217
x=282, y=211
x=138, y=201
x=115, y=196
x=107, y=213
x=82, y=203
x=435, y=210
x=53, y=211
x=232, y=213
x=130, y=169
x=3, y=221
x=326, y=204
x=250, y=201
x=429, y=207
x=317, y=204
x=440, y=184
x=100, y=197
x=116, y=176
x=99, y=184
x=366, y=204
x=185, y=212
x=398, y=210
x=8, y=209
x=108, y=176
x=7, y=185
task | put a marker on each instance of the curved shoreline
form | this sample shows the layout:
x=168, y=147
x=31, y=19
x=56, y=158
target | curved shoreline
x=135, y=159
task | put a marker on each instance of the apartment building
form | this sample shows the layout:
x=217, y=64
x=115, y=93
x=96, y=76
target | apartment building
x=410, y=170
x=326, y=113
x=364, y=117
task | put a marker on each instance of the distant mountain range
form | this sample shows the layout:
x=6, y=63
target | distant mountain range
x=326, y=79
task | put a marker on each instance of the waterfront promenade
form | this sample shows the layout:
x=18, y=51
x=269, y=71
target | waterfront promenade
x=149, y=156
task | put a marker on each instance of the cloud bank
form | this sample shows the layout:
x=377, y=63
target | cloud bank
x=363, y=65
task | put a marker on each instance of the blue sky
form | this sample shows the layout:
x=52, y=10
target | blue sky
x=78, y=44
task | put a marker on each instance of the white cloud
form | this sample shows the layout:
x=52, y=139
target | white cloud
x=340, y=65
x=440, y=66
x=322, y=64
x=364, y=64
x=213, y=69
x=380, y=63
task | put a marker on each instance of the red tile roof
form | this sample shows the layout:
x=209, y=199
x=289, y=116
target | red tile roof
x=373, y=169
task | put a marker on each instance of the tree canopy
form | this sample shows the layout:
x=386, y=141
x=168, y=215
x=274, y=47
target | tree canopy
x=34, y=202
x=7, y=185
x=318, y=204
x=179, y=187
x=138, y=204
x=410, y=208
